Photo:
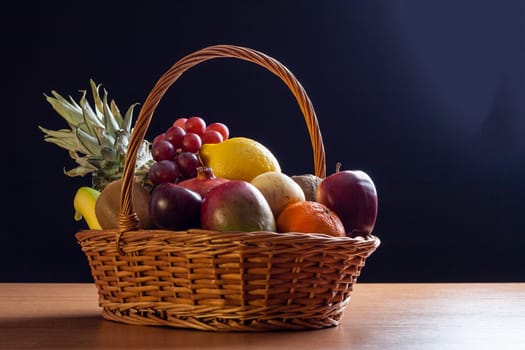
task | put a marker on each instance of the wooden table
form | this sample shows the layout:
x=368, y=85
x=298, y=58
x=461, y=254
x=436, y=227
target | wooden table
x=380, y=316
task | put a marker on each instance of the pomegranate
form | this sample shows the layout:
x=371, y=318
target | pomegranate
x=352, y=195
x=203, y=182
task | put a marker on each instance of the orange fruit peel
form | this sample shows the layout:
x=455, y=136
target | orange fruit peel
x=310, y=217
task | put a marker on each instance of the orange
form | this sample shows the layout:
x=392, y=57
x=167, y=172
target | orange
x=310, y=217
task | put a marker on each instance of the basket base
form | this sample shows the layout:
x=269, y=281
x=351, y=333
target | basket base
x=218, y=324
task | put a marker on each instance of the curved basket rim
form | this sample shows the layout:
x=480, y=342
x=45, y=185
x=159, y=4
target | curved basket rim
x=238, y=236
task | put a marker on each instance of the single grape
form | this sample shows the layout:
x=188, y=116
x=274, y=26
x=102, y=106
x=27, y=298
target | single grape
x=180, y=122
x=212, y=136
x=220, y=127
x=162, y=150
x=191, y=142
x=195, y=125
x=175, y=134
x=188, y=163
x=157, y=138
x=163, y=171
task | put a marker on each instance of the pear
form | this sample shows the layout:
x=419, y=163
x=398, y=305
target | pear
x=279, y=190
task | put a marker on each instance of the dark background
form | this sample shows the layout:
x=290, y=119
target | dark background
x=425, y=96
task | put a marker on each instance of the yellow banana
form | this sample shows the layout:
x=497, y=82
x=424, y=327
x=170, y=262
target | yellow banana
x=84, y=204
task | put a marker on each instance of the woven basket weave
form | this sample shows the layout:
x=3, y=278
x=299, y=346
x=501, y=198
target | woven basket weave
x=222, y=281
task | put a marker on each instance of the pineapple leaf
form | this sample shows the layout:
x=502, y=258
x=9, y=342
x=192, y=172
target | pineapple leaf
x=105, y=139
x=96, y=97
x=121, y=142
x=108, y=153
x=97, y=163
x=126, y=125
x=89, y=142
x=85, y=167
x=90, y=117
x=63, y=138
x=116, y=112
x=112, y=125
x=144, y=157
x=74, y=103
x=61, y=134
x=74, y=155
x=79, y=171
x=72, y=113
x=69, y=145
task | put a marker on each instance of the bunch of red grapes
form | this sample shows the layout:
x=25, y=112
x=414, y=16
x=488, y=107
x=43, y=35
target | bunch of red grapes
x=176, y=151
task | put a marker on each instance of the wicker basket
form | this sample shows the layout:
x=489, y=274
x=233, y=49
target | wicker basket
x=222, y=281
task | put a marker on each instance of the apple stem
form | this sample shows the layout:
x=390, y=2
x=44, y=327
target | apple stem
x=337, y=167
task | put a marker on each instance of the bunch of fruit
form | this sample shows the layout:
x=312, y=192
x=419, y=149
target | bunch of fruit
x=202, y=178
x=195, y=175
x=176, y=151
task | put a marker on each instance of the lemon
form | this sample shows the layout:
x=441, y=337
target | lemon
x=238, y=158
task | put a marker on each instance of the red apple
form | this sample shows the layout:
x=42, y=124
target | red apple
x=352, y=195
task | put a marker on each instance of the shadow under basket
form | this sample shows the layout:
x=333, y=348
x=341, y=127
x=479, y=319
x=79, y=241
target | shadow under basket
x=222, y=281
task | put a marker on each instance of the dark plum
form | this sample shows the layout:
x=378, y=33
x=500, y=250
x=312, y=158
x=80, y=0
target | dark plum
x=174, y=207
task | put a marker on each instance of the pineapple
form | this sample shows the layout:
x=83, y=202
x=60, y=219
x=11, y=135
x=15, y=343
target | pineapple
x=97, y=138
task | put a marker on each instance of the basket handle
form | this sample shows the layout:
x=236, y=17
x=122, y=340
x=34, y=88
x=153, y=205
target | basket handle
x=128, y=220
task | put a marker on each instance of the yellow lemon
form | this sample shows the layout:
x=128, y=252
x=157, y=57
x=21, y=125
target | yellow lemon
x=238, y=158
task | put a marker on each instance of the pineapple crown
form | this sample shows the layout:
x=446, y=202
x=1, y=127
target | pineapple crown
x=98, y=137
